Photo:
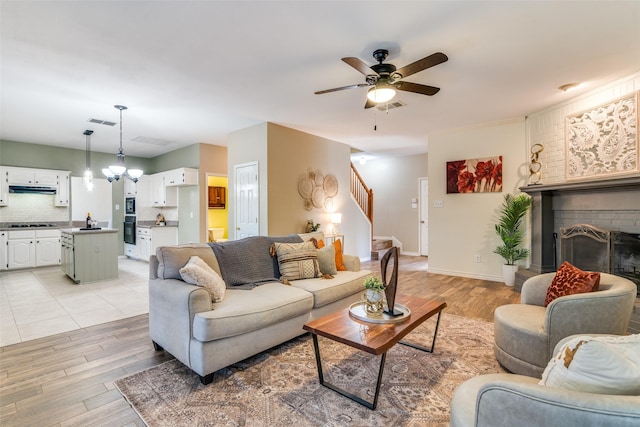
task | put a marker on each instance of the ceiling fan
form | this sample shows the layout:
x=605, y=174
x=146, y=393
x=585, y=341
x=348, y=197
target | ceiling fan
x=385, y=79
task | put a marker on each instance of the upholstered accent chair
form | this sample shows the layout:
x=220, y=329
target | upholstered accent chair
x=526, y=333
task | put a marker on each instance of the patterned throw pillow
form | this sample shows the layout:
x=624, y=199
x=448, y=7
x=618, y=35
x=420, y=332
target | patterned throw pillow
x=197, y=272
x=570, y=280
x=297, y=260
x=339, y=262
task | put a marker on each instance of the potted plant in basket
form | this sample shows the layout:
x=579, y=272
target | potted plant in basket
x=373, y=295
x=508, y=229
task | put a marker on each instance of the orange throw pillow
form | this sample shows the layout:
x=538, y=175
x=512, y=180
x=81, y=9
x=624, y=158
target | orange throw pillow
x=339, y=262
x=320, y=244
x=570, y=280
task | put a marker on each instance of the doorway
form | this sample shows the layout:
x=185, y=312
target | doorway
x=217, y=215
x=424, y=216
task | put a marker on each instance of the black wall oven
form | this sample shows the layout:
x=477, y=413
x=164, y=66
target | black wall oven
x=130, y=206
x=130, y=229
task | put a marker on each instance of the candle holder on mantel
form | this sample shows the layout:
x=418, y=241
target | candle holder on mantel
x=535, y=166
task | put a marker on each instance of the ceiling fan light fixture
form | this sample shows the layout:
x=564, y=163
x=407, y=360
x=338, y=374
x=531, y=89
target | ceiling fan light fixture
x=569, y=86
x=381, y=93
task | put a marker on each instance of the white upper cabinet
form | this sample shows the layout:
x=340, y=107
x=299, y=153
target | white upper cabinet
x=62, y=193
x=182, y=176
x=34, y=177
x=4, y=187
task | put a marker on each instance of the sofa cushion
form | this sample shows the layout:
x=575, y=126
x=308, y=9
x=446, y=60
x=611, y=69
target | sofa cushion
x=197, y=272
x=244, y=311
x=297, y=260
x=327, y=259
x=603, y=364
x=570, y=280
x=247, y=262
x=172, y=258
x=326, y=291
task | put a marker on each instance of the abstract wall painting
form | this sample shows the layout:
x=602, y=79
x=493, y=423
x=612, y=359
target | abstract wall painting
x=475, y=175
x=603, y=141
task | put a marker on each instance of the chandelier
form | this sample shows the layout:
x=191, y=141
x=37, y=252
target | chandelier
x=114, y=172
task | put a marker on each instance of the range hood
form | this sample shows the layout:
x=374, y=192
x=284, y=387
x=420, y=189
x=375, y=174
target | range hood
x=32, y=189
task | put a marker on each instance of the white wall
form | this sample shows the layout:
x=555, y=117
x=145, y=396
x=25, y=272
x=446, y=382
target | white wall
x=547, y=127
x=394, y=181
x=464, y=226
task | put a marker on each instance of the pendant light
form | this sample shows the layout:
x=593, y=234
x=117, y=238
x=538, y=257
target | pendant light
x=114, y=172
x=88, y=174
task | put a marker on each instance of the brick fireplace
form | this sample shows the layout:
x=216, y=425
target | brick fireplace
x=612, y=205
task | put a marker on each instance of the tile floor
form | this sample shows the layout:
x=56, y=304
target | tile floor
x=44, y=301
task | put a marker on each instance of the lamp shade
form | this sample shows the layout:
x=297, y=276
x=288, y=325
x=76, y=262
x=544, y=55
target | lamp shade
x=381, y=93
x=336, y=218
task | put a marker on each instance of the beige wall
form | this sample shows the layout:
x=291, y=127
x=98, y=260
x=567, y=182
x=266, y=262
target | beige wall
x=283, y=155
x=394, y=181
x=213, y=161
x=464, y=226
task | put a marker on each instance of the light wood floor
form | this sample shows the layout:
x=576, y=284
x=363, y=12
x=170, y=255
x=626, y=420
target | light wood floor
x=67, y=379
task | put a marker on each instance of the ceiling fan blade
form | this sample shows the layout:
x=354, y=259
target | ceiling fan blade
x=335, y=89
x=369, y=104
x=422, y=64
x=360, y=66
x=417, y=88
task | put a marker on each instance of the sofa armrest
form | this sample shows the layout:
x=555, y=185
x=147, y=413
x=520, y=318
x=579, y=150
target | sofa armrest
x=503, y=400
x=352, y=262
x=534, y=289
x=172, y=307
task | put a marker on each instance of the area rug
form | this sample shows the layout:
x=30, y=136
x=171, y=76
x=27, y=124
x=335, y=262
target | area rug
x=280, y=386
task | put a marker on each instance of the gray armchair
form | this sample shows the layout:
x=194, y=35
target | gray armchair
x=505, y=400
x=526, y=333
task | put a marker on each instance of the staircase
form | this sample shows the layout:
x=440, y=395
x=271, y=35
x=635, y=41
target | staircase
x=379, y=247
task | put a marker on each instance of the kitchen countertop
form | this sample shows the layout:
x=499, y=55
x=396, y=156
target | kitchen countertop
x=77, y=230
x=154, y=225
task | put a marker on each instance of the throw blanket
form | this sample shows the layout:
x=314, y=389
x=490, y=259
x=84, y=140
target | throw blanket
x=247, y=263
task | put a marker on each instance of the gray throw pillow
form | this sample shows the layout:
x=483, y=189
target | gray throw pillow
x=327, y=260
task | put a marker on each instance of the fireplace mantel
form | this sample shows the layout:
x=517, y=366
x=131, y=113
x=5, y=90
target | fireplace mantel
x=594, y=195
x=592, y=185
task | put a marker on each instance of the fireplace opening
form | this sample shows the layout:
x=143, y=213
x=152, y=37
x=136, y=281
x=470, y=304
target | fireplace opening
x=593, y=249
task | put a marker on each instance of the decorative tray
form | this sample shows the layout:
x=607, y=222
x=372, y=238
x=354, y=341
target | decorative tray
x=357, y=310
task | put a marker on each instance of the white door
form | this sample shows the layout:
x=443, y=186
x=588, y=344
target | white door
x=424, y=216
x=247, y=200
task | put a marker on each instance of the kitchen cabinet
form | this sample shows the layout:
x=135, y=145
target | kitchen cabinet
x=90, y=256
x=48, y=248
x=35, y=177
x=161, y=194
x=4, y=243
x=29, y=176
x=131, y=251
x=217, y=197
x=62, y=193
x=181, y=176
x=130, y=188
x=148, y=239
x=4, y=187
x=32, y=248
x=21, y=249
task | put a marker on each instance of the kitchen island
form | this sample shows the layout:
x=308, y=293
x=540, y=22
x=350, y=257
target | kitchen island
x=90, y=255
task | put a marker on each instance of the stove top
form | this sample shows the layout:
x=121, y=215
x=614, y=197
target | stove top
x=31, y=225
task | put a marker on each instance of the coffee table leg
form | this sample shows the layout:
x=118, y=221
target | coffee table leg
x=357, y=399
x=433, y=343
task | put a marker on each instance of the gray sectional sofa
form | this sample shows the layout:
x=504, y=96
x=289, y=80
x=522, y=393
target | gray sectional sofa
x=208, y=336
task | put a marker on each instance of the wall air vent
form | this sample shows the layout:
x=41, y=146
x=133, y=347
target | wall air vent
x=390, y=106
x=153, y=141
x=101, y=122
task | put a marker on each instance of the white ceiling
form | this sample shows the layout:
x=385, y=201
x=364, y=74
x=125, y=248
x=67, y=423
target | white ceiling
x=194, y=71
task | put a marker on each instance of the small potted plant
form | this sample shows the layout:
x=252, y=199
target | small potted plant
x=373, y=295
x=311, y=227
x=508, y=229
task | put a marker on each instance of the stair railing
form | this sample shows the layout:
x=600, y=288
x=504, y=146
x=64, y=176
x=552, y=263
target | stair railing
x=362, y=194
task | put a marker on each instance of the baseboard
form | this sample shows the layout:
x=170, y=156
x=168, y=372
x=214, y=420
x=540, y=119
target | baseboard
x=469, y=275
x=410, y=253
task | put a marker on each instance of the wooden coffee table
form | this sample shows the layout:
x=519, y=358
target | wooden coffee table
x=380, y=337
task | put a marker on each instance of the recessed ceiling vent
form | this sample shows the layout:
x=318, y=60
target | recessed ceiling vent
x=390, y=105
x=152, y=141
x=101, y=122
